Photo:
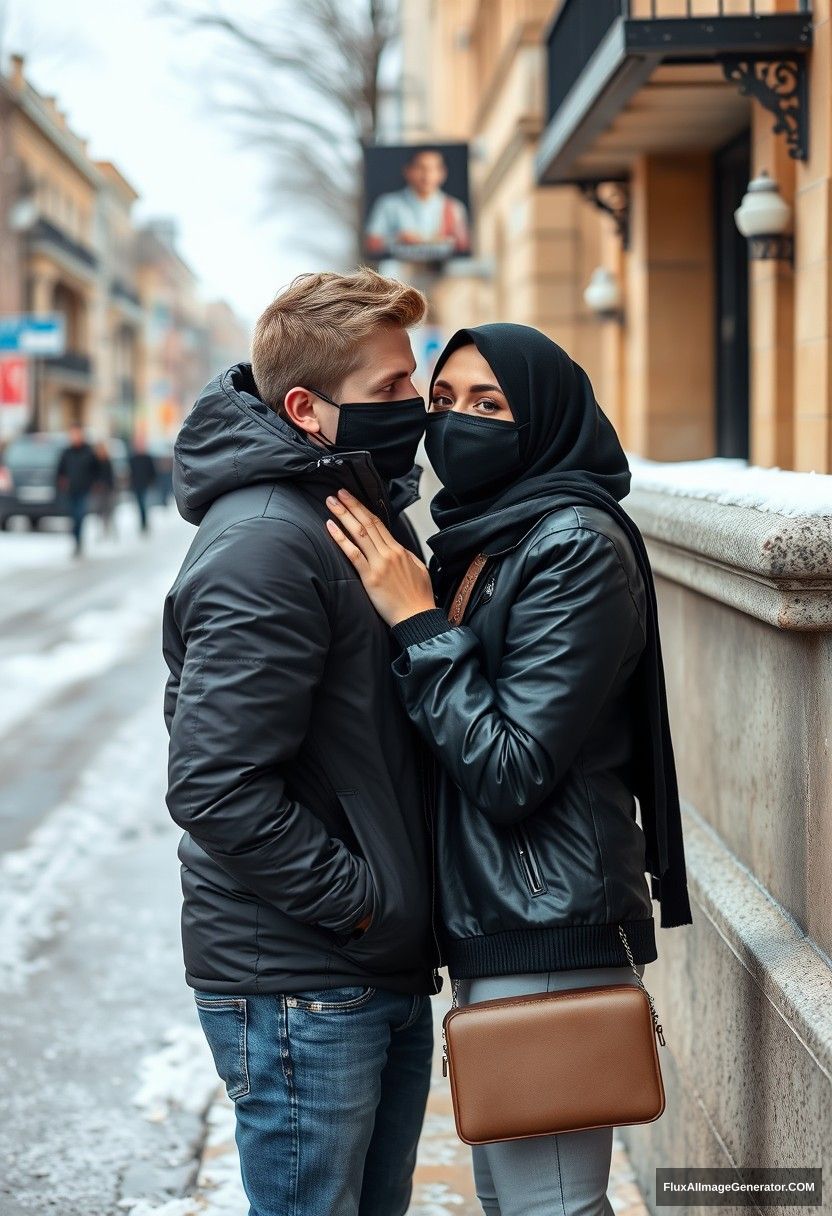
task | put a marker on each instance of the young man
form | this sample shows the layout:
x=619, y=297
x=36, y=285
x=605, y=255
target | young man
x=306, y=871
x=75, y=477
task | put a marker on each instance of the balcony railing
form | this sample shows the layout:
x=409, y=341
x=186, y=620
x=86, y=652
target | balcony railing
x=577, y=33
x=48, y=234
x=601, y=52
x=581, y=27
x=72, y=361
x=121, y=291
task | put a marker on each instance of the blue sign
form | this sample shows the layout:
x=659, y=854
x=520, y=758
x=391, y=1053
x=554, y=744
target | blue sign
x=28, y=334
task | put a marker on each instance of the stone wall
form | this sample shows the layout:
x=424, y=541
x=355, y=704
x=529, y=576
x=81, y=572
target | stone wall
x=745, y=993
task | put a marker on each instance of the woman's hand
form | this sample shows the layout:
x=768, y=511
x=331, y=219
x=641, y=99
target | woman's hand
x=397, y=583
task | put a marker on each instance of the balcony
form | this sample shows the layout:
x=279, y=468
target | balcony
x=601, y=54
x=72, y=368
x=46, y=237
x=122, y=292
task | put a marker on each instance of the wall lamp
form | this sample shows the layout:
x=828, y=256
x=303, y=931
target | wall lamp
x=603, y=295
x=763, y=217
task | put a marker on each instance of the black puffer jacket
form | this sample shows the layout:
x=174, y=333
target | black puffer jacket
x=293, y=769
x=528, y=705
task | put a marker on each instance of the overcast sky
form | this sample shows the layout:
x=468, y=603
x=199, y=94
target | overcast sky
x=130, y=81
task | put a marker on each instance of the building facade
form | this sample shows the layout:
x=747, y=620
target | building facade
x=174, y=356
x=623, y=136
x=612, y=143
x=138, y=338
x=53, y=219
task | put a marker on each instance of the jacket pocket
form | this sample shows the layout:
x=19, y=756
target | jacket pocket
x=224, y=1020
x=529, y=863
x=397, y=929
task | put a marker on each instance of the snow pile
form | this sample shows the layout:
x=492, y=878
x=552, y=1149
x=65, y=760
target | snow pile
x=174, y=1207
x=110, y=803
x=219, y=1191
x=736, y=483
x=180, y=1076
x=219, y=1188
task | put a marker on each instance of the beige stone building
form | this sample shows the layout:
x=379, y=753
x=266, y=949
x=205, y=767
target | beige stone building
x=53, y=213
x=574, y=107
x=120, y=315
x=613, y=142
x=174, y=356
x=139, y=341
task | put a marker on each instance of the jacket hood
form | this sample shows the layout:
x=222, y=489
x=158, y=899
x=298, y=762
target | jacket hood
x=231, y=439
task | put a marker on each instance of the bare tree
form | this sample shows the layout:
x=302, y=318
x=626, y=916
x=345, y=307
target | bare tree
x=304, y=87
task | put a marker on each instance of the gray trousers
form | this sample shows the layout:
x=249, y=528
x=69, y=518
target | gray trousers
x=564, y=1175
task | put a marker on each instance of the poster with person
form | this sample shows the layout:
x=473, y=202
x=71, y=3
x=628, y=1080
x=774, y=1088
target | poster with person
x=417, y=206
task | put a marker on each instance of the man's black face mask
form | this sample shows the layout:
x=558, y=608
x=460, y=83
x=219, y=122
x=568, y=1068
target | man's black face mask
x=389, y=430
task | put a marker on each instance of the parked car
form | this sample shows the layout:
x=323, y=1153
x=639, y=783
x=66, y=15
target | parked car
x=27, y=476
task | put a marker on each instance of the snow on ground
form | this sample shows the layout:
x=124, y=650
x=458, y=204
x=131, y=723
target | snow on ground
x=110, y=800
x=23, y=549
x=736, y=483
x=95, y=639
x=180, y=1076
x=219, y=1191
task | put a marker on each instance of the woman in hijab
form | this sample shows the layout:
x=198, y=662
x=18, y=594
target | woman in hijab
x=543, y=698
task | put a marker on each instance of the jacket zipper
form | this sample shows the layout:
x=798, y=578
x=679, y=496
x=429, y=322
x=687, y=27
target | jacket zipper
x=427, y=804
x=528, y=862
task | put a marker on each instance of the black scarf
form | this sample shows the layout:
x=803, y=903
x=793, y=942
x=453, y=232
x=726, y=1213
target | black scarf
x=570, y=455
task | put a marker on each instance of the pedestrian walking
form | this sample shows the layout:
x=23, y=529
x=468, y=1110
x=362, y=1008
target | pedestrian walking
x=294, y=771
x=75, y=477
x=143, y=477
x=105, y=489
x=545, y=703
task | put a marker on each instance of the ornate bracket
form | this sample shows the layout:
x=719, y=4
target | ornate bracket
x=776, y=248
x=612, y=197
x=780, y=86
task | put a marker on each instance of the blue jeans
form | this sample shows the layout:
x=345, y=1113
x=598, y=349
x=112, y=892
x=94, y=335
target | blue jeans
x=78, y=504
x=329, y=1089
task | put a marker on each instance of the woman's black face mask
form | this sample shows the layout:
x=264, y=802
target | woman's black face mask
x=389, y=430
x=470, y=454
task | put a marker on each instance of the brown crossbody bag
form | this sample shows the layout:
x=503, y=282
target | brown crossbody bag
x=551, y=1062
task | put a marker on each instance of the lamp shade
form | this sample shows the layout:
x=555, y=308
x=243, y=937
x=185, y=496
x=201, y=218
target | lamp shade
x=763, y=210
x=602, y=294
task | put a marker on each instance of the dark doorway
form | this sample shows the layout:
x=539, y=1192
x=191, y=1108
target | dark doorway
x=732, y=171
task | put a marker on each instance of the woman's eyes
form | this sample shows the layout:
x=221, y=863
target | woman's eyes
x=484, y=404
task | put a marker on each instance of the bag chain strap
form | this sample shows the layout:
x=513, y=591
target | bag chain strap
x=657, y=1026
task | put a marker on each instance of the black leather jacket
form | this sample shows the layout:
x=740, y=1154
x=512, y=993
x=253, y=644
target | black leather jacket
x=527, y=705
x=293, y=768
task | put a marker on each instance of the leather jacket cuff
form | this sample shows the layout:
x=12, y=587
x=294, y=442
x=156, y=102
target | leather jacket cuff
x=421, y=626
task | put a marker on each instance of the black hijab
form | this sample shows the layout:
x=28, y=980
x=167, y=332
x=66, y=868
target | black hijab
x=570, y=454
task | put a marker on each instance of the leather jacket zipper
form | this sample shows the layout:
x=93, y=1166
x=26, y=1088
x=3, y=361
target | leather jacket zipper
x=427, y=779
x=529, y=863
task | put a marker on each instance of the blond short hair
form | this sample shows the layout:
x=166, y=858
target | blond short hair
x=311, y=333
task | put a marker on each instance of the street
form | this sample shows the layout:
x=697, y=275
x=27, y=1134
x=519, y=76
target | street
x=110, y=1103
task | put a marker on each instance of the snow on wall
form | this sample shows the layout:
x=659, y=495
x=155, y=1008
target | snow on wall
x=736, y=483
